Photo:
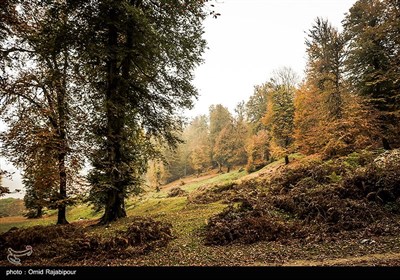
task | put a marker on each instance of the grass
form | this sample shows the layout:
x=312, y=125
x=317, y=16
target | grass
x=155, y=204
x=222, y=178
x=76, y=213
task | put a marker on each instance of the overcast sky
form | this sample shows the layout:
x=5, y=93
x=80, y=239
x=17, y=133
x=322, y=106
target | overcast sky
x=252, y=38
x=246, y=43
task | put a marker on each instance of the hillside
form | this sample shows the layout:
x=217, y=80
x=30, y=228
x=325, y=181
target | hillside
x=312, y=212
x=10, y=207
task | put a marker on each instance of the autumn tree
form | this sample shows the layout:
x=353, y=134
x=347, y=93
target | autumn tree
x=37, y=98
x=241, y=133
x=280, y=110
x=141, y=77
x=372, y=31
x=319, y=102
x=199, y=144
x=157, y=173
x=309, y=118
x=225, y=147
x=256, y=106
x=258, y=150
x=220, y=117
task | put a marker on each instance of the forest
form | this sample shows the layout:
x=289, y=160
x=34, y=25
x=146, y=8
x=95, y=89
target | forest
x=304, y=172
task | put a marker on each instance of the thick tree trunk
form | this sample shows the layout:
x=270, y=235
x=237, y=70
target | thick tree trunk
x=62, y=145
x=286, y=159
x=115, y=207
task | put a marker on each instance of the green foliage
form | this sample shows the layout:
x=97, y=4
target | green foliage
x=325, y=50
x=334, y=178
x=139, y=96
x=357, y=159
x=256, y=106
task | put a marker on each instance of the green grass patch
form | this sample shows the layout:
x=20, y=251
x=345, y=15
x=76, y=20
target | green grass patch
x=154, y=206
x=82, y=212
x=21, y=222
x=222, y=178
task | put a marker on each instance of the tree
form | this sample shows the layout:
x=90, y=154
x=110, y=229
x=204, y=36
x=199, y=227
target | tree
x=258, y=150
x=220, y=117
x=309, y=119
x=256, y=106
x=372, y=31
x=325, y=50
x=241, y=133
x=199, y=144
x=225, y=147
x=280, y=109
x=141, y=77
x=37, y=97
x=41, y=181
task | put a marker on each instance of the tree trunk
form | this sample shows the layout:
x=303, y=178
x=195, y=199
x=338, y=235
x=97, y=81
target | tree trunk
x=228, y=169
x=62, y=145
x=219, y=167
x=62, y=219
x=115, y=207
x=39, y=212
x=286, y=159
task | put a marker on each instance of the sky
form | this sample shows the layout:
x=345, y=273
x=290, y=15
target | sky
x=250, y=40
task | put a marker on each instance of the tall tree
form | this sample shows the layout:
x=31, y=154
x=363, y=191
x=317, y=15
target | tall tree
x=199, y=144
x=258, y=150
x=325, y=50
x=141, y=76
x=256, y=106
x=37, y=98
x=280, y=109
x=372, y=31
x=220, y=117
x=309, y=118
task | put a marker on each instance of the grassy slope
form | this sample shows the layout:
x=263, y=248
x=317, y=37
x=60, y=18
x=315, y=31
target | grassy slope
x=188, y=220
x=151, y=203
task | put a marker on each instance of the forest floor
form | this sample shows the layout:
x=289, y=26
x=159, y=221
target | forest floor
x=190, y=215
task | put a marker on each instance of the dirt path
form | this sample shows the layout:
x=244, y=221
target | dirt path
x=371, y=259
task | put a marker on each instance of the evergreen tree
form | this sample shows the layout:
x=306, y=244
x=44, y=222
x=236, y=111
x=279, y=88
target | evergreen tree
x=325, y=50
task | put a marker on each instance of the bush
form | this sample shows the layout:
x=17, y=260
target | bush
x=244, y=225
x=73, y=242
x=352, y=193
